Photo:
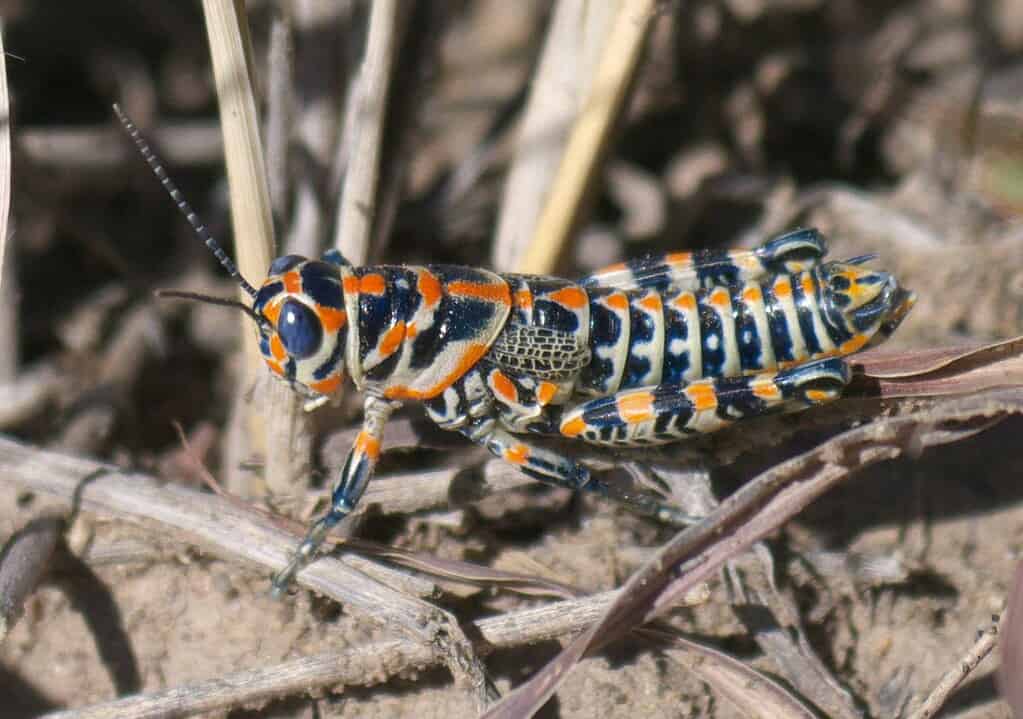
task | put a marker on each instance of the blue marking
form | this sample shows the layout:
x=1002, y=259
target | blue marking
x=284, y=263
x=266, y=293
x=322, y=282
x=710, y=326
x=781, y=340
x=328, y=367
x=334, y=257
x=751, y=356
x=605, y=329
x=805, y=314
x=641, y=332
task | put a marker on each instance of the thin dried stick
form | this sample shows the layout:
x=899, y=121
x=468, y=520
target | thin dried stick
x=5, y=150
x=590, y=135
x=987, y=639
x=368, y=109
x=223, y=526
x=364, y=665
x=285, y=438
x=576, y=33
x=233, y=530
x=181, y=144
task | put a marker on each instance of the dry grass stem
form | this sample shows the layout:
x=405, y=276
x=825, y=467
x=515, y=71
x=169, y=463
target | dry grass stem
x=284, y=439
x=363, y=666
x=576, y=33
x=590, y=135
x=987, y=639
x=368, y=113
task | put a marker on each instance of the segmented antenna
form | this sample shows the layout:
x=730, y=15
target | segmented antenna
x=263, y=322
x=181, y=202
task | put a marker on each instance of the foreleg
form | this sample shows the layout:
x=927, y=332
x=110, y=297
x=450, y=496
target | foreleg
x=348, y=488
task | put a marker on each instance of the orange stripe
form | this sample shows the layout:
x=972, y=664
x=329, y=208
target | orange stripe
x=617, y=301
x=272, y=313
x=820, y=395
x=504, y=387
x=489, y=292
x=573, y=427
x=429, y=288
x=685, y=301
x=373, y=284
x=517, y=454
x=782, y=287
x=752, y=294
x=292, y=281
x=275, y=366
x=807, y=282
x=411, y=331
x=702, y=396
x=678, y=258
x=546, y=392
x=651, y=302
x=350, y=285
x=368, y=445
x=331, y=319
x=853, y=345
x=636, y=407
x=392, y=339
x=524, y=299
x=469, y=358
x=719, y=298
x=571, y=297
x=277, y=348
x=327, y=386
x=766, y=389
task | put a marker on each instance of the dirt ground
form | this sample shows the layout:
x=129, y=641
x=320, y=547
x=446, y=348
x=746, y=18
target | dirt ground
x=894, y=127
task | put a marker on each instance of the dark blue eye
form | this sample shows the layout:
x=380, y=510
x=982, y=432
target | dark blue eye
x=299, y=329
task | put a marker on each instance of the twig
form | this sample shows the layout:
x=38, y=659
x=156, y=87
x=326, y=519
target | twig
x=285, y=439
x=590, y=135
x=231, y=530
x=576, y=31
x=368, y=108
x=181, y=144
x=22, y=563
x=225, y=527
x=364, y=665
x=5, y=165
x=987, y=639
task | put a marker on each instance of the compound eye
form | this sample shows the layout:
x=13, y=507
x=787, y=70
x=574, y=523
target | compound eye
x=299, y=329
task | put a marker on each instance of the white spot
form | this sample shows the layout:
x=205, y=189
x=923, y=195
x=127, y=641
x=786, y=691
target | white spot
x=676, y=347
x=713, y=342
x=747, y=337
x=401, y=283
x=289, y=317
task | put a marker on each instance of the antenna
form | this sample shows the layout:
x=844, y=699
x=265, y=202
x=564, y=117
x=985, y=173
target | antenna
x=181, y=202
x=263, y=323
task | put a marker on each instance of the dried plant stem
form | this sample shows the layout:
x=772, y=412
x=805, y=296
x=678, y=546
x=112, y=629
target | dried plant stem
x=962, y=668
x=575, y=35
x=5, y=151
x=285, y=439
x=590, y=135
x=368, y=112
x=364, y=665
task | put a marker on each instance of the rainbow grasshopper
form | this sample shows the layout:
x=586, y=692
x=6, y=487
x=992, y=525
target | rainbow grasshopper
x=641, y=353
